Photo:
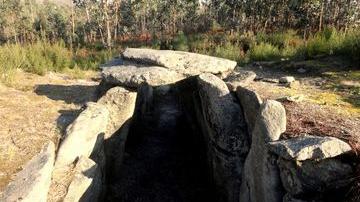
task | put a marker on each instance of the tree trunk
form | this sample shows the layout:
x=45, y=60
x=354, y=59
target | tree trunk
x=321, y=15
x=107, y=23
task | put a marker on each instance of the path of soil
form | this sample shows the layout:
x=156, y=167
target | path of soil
x=166, y=163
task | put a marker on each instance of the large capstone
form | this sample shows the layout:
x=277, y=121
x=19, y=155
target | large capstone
x=182, y=62
x=132, y=76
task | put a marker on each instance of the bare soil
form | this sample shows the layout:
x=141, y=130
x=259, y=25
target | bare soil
x=324, y=100
x=34, y=110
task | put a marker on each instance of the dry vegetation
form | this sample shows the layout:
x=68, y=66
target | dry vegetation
x=35, y=111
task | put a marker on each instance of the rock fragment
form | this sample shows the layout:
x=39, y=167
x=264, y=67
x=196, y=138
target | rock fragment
x=240, y=78
x=309, y=147
x=286, y=79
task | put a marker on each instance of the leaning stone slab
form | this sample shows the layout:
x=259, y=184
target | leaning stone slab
x=261, y=179
x=33, y=182
x=312, y=177
x=226, y=135
x=86, y=183
x=250, y=102
x=309, y=147
x=240, y=78
x=132, y=76
x=121, y=105
x=183, y=62
x=82, y=136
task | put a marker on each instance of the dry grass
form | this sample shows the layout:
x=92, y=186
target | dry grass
x=29, y=119
x=305, y=118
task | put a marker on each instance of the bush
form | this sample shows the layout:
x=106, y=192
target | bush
x=350, y=46
x=327, y=42
x=42, y=57
x=229, y=51
x=264, y=52
x=180, y=42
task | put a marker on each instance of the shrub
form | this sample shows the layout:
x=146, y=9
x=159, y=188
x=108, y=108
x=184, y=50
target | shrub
x=42, y=57
x=351, y=46
x=180, y=42
x=264, y=52
x=229, y=51
x=327, y=42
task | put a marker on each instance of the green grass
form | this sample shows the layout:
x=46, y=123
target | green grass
x=264, y=52
x=264, y=47
x=42, y=57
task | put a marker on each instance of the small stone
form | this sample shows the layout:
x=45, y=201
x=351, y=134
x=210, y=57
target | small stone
x=309, y=147
x=293, y=85
x=258, y=78
x=301, y=70
x=297, y=98
x=286, y=79
x=269, y=80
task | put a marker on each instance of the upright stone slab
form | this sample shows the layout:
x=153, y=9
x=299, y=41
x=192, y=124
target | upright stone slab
x=121, y=105
x=86, y=184
x=226, y=135
x=33, y=182
x=250, y=102
x=82, y=136
x=261, y=179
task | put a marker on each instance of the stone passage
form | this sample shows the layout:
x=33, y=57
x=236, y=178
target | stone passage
x=167, y=127
x=164, y=158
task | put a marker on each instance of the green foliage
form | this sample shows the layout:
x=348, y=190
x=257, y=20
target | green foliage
x=229, y=51
x=90, y=60
x=11, y=57
x=350, y=46
x=263, y=47
x=264, y=52
x=332, y=42
x=42, y=57
x=180, y=42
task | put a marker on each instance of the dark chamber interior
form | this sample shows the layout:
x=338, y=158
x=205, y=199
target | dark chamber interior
x=165, y=157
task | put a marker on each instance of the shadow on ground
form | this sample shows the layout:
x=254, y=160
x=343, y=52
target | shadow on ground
x=71, y=94
x=66, y=118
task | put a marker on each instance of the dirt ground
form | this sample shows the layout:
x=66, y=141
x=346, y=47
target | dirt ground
x=324, y=101
x=34, y=110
